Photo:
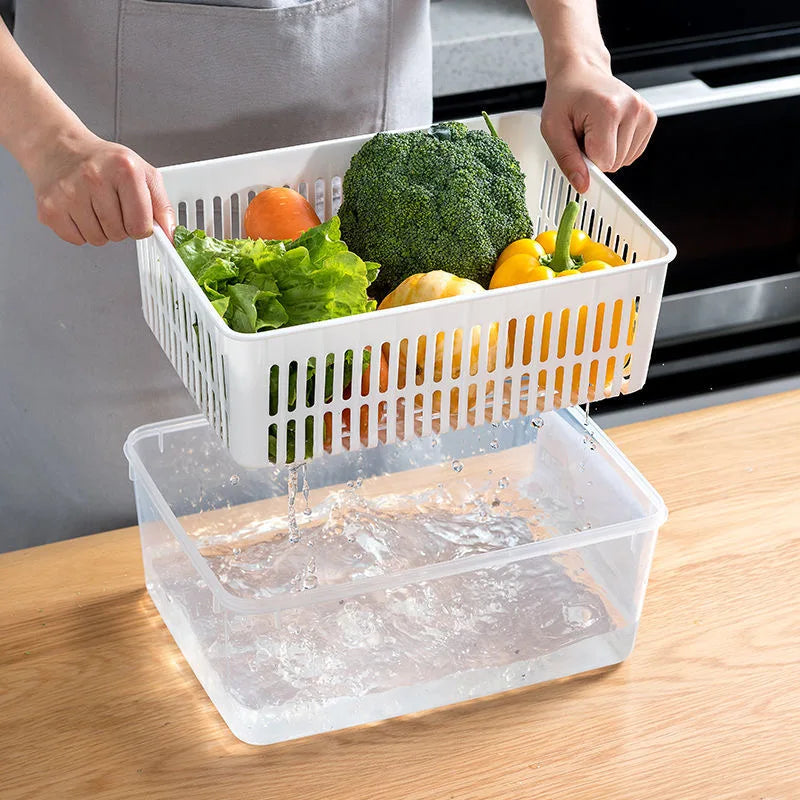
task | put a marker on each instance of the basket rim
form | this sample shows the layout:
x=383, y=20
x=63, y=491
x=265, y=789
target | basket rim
x=668, y=254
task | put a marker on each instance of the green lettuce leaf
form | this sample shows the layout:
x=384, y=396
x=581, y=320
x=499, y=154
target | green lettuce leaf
x=258, y=285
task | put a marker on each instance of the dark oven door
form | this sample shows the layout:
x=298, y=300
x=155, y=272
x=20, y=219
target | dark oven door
x=721, y=178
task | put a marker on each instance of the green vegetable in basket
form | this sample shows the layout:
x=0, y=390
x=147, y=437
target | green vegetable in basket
x=257, y=285
x=447, y=198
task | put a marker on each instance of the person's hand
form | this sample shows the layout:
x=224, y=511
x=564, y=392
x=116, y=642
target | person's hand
x=587, y=108
x=91, y=190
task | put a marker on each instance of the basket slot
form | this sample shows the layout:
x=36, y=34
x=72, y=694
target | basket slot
x=319, y=204
x=235, y=223
x=199, y=214
x=216, y=205
x=336, y=194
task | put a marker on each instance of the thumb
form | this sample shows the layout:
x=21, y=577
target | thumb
x=563, y=143
x=163, y=212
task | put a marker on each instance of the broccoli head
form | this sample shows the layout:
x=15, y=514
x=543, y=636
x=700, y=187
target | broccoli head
x=448, y=198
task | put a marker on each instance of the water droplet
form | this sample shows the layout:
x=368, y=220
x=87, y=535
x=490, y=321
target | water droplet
x=358, y=556
x=434, y=442
x=306, y=490
x=537, y=422
x=491, y=472
x=294, y=533
x=503, y=482
x=311, y=566
x=578, y=501
x=587, y=526
x=494, y=444
x=234, y=479
x=495, y=502
x=310, y=582
x=495, y=424
x=440, y=486
x=351, y=484
x=236, y=551
x=588, y=483
x=358, y=482
x=457, y=465
x=506, y=423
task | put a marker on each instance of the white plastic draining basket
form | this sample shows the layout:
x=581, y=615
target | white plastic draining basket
x=549, y=344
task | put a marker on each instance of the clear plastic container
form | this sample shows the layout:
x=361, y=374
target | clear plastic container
x=420, y=573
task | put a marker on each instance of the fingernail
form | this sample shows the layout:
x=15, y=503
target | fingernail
x=578, y=181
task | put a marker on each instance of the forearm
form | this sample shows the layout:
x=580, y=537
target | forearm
x=32, y=116
x=570, y=33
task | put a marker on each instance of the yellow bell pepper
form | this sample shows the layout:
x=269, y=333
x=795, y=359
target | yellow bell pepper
x=577, y=241
x=569, y=252
x=527, y=247
x=518, y=269
x=582, y=249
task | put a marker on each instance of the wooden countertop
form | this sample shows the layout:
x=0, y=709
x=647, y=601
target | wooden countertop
x=96, y=701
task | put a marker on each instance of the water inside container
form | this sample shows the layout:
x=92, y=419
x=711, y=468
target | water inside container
x=398, y=644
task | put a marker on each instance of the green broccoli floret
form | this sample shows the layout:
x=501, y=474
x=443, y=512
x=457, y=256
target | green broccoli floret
x=447, y=198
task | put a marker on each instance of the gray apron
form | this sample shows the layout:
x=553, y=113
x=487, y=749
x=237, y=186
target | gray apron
x=176, y=81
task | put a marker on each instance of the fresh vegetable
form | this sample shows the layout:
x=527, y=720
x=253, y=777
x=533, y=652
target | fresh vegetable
x=565, y=251
x=594, y=251
x=279, y=213
x=547, y=241
x=520, y=269
x=574, y=248
x=569, y=252
x=437, y=285
x=448, y=199
x=261, y=285
x=527, y=247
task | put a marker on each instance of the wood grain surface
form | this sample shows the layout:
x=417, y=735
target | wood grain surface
x=96, y=701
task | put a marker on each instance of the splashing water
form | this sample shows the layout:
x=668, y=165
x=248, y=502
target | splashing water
x=294, y=531
x=306, y=490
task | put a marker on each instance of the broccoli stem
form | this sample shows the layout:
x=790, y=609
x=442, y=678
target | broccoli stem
x=561, y=258
x=489, y=125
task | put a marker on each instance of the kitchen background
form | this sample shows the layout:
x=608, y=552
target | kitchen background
x=720, y=177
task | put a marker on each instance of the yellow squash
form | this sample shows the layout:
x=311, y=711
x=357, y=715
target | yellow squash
x=438, y=285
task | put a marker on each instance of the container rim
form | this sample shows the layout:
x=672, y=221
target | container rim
x=323, y=594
